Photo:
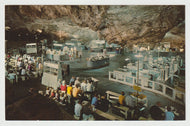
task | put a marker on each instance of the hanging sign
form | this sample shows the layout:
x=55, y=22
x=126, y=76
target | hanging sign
x=137, y=88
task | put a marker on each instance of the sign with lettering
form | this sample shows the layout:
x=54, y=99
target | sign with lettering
x=137, y=88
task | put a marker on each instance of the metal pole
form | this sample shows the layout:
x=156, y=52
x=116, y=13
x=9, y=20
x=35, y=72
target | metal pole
x=137, y=80
x=138, y=72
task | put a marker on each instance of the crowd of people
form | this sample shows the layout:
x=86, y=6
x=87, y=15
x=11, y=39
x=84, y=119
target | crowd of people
x=23, y=66
x=156, y=112
x=85, y=101
x=72, y=53
x=81, y=95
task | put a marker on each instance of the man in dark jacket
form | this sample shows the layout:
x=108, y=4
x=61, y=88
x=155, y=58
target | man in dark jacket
x=156, y=113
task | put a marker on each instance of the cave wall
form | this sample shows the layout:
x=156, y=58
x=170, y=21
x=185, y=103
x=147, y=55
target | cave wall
x=126, y=25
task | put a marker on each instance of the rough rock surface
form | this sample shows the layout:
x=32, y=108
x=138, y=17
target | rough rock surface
x=125, y=25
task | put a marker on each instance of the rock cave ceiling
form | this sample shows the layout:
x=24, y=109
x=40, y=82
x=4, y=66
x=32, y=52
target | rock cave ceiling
x=125, y=25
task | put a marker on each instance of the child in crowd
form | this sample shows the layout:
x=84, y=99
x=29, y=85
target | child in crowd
x=47, y=92
x=57, y=95
x=121, y=98
x=52, y=95
x=63, y=99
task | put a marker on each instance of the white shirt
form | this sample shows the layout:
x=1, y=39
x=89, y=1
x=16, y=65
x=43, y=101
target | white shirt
x=40, y=66
x=18, y=63
x=89, y=87
x=47, y=92
x=23, y=72
x=83, y=86
x=29, y=61
x=78, y=108
x=25, y=61
x=58, y=83
x=61, y=98
x=12, y=76
x=28, y=57
x=48, y=51
x=77, y=82
x=24, y=56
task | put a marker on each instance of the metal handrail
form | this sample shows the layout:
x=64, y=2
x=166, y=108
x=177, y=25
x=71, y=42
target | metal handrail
x=163, y=92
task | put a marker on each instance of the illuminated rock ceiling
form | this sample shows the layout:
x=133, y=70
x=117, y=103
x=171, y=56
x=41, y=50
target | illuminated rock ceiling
x=125, y=25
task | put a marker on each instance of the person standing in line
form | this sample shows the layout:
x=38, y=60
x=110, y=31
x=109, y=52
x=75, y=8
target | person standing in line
x=84, y=86
x=72, y=80
x=40, y=68
x=23, y=73
x=169, y=115
x=156, y=113
x=69, y=92
x=129, y=101
x=103, y=104
x=63, y=87
x=12, y=76
x=89, y=89
x=59, y=83
x=94, y=102
x=87, y=113
x=78, y=108
x=121, y=98
x=76, y=91
x=77, y=82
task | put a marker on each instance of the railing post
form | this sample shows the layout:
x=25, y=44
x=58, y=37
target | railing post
x=109, y=75
x=153, y=85
x=133, y=81
x=116, y=76
x=174, y=94
x=164, y=89
x=124, y=78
